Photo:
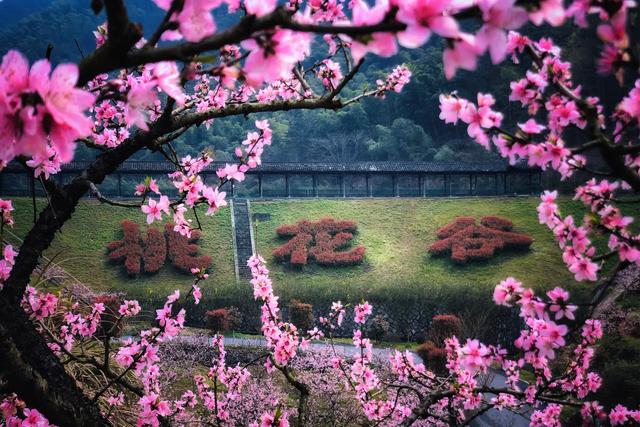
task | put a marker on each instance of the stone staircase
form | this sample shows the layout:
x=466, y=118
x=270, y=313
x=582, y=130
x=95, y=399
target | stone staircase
x=242, y=237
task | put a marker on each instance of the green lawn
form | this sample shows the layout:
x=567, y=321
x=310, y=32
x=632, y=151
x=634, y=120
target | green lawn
x=80, y=248
x=396, y=233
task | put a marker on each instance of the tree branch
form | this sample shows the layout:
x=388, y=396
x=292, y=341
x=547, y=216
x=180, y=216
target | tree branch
x=106, y=59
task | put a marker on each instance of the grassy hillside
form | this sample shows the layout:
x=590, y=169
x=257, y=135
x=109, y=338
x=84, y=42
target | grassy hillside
x=80, y=248
x=396, y=233
x=398, y=275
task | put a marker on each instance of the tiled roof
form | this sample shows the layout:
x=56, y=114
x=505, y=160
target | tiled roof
x=321, y=167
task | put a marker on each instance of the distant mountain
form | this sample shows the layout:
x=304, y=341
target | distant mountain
x=61, y=23
x=12, y=11
x=404, y=126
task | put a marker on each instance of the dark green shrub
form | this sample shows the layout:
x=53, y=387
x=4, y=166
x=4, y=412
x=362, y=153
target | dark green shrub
x=378, y=328
x=618, y=362
x=301, y=315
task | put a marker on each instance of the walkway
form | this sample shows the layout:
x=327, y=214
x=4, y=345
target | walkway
x=242, y=237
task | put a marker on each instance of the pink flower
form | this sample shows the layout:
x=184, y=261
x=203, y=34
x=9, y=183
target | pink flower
x=154, y=209
x=584, y=269
x=618, y=415
x=9, y=254
x=116, y=400
x=65, y=103
x=139, y=98
x=361, y=311
x=260, y=7
x=631, y=103
x=382, y=44
x=560, y=299
x=129, y=308
x=422, y=17
x=498, y=16
x=507, y=291
x=463, y=53
x=450, y=108
x=615, y=31
x=474, y=356
x=272, y=55
x=153, y=186
x=35, y=104
x=214, y=198
x=330, y=74
x=231, y=172
x=33, y=418
x=197, y=294
x=167, y=77
x=551, y=11
x=531, y=127
x=551, y=336
x=195, y=19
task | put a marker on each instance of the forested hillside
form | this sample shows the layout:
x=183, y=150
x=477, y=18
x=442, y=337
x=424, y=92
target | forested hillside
x=404, y=127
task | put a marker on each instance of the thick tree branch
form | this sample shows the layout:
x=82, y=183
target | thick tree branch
x=190, y=119
x=36, y=375
x=106, y=59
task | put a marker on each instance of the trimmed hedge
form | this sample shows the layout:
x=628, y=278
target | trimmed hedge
x=129, y=249
x=133, y=252
x=321, y=241
x=444, y=326
x=182, y=250
x=155, y=251
x=464, y=240
x=301, y=315
x=434, y=357
x=218, y=320
x=432, y=351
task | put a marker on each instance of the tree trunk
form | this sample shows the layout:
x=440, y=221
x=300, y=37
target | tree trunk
x=37, y=376
x=26, y=363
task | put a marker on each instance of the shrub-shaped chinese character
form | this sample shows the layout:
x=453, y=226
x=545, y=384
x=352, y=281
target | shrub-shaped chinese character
x=464, y=240
x=322, y=240
x=152, y=253
x=129, y=249
x=183, y=250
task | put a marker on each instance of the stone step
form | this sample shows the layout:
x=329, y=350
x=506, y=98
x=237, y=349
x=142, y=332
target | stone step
x=242, y=237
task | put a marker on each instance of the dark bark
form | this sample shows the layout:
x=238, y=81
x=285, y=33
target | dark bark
x=26, y=363
x=37, y=376
x=108, y=57
x=35, y=385
x=63, y=204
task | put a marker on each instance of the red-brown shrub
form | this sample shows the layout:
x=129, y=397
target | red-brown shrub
x=378, y=327
x=460, y=223
x=434, y=357
x=444, y=326
x=301, y=315
x=128, y=249
x=131, y=251
x=464, y=240
x=217, y=320
x=497, y=222
x=295, y=249
x=182, y=250
x=155, y=250
x=320, y=241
